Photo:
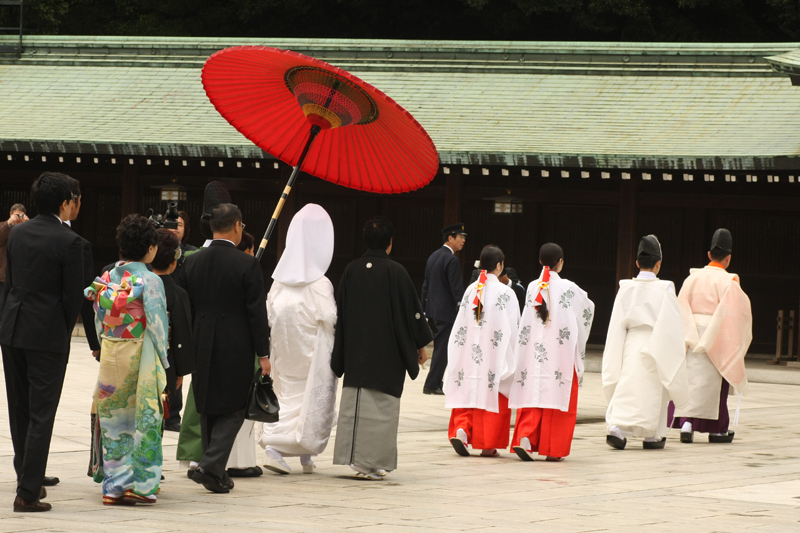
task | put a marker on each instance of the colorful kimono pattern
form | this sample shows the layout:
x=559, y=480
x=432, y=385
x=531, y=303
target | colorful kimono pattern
x=131, y=320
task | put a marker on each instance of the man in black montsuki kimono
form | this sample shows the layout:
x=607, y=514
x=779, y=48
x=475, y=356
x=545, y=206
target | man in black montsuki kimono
x=380, y=335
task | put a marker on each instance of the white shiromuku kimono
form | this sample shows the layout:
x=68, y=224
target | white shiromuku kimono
x=644, y=362
x=480, y=352
x=302, y=316
x=717, y=325
x=546, y=355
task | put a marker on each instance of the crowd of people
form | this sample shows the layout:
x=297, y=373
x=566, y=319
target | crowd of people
x=166, y=310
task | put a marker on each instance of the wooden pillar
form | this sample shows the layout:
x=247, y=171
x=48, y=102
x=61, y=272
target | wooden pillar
x=626, y=238
x=452, y=200
x=130, y=190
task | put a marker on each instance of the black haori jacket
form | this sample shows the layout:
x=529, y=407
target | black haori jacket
x=380, y=325
x=226, y=288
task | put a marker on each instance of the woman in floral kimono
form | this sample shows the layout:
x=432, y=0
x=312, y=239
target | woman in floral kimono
x=548, y=361
x=481, y=350
x=131, y=321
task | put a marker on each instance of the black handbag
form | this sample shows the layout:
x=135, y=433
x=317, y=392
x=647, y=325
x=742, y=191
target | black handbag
x=262, y=403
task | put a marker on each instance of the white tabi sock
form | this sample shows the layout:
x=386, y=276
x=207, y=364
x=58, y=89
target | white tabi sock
x=687, y=427
x=306, y=460
x=462, y=436
x=525, y=444
x=614, y=431
x=272, y=453
x=652, y=439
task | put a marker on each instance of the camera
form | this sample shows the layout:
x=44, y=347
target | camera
x=169, y=220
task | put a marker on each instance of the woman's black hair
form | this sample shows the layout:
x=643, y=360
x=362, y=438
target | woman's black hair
x=246, y=243
x=549, y=255
x=167, y=244
x=490, y=256
x=135, y=235
x=186, y=228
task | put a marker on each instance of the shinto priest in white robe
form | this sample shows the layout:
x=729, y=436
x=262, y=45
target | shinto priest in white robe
x=644, y=362
x=302, y=316
x=480, y=352
x=547, y=355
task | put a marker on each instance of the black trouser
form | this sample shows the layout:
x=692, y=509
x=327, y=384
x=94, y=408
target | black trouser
x=439, y=359
x=34, y=381
x=218, y=433
x=2, y=298
x=175, y=406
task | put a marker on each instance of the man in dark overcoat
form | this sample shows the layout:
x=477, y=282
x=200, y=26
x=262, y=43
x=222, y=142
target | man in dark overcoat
x=45, y=278
x=442, y=291
x=226, y=288
x=381, y=335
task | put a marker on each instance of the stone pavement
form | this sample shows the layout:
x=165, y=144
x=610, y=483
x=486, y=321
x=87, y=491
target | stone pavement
x=751, y=484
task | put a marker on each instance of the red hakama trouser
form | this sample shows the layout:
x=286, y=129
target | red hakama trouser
x=549, y=430
x=485, y=430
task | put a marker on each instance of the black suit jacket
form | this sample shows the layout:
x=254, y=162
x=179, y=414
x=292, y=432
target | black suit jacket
x=226, y=288
x=45, y=279
x=380, y=325
x=181, y=345
x=443, y=287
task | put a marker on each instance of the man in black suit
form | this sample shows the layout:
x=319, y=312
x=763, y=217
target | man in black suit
x=226, y=288
x=442, y=291
x=44, y=293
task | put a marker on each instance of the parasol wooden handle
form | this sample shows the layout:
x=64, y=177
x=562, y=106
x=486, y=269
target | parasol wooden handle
x=285, y=194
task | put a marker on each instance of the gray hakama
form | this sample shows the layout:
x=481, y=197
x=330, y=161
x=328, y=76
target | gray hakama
x=366, y=434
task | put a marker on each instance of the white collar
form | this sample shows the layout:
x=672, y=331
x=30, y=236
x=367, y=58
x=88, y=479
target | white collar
x=62, y=221
x=226, y=240
x=646, y=275
x=451, y=250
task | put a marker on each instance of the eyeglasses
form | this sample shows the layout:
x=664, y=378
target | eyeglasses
x=75, y=197
x=243, y=225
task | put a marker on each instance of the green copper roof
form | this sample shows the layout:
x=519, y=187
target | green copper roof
x=611, y=105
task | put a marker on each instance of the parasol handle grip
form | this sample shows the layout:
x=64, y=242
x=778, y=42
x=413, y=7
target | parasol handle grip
x=285, y=194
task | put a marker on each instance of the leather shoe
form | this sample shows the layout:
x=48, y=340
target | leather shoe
x=21, y=506
x=438, y=392
x=253, y=471
x=42, y=494
x=50, y=481
x=209, y=481
x=173, y=427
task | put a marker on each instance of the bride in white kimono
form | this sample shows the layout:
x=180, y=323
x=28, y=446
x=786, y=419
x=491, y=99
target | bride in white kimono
x=302, y=316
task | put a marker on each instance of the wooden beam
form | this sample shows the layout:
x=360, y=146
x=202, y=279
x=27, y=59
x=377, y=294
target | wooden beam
x=626, y=239
x=452, y=199
x=131, y=193
x=728, y=201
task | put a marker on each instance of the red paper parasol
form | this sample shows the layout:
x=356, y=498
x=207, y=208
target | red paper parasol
x=321, y=120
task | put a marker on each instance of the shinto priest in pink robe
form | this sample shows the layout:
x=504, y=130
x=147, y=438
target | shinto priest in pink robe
x=717, y=325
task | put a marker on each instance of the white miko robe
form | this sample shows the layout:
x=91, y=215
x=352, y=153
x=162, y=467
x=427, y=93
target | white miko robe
x=546, y=355
x=480, y=352
x=644, y=362
x=302, y=319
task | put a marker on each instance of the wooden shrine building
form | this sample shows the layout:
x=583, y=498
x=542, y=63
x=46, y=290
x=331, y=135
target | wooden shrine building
x=590, y=145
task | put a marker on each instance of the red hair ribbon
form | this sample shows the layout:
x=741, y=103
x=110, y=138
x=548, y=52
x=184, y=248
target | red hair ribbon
x=478, y=301
x=544, y=284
